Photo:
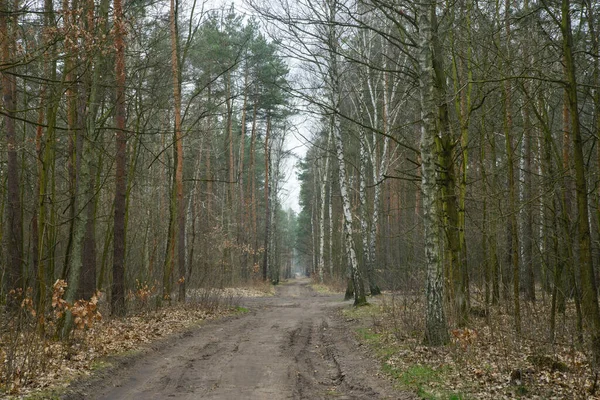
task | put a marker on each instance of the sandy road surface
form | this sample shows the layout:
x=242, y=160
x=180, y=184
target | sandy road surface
x=290, y=346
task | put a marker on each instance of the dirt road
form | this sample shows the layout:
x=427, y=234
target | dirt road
x=290, y=346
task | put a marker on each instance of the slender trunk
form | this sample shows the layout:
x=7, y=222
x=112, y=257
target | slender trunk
x=436, y=330
x=265, y=266
x=359, y=291
x=513, y=231
x=253, y=197
x=324, y=174
x=179, y=206
x=242, y=229
x=71, y=104
x=362, y=193
x=82, y=196
x=335, y=94
x=118, y=268
x=528, y=228
x=487, y=265
x=43, y=149
x=462, y=106
x=14, y=225
x=587, y=277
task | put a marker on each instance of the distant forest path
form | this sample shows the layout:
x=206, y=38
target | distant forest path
x=290, y=346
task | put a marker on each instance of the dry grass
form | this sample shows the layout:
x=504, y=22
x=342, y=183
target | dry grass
x=487, y=360
x=32, y=361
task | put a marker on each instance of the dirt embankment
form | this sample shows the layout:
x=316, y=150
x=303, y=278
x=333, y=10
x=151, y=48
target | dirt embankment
x=290, y=346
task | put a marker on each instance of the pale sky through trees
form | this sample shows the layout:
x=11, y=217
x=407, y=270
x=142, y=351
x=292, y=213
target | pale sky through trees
x=296, y=138
x=295, y=142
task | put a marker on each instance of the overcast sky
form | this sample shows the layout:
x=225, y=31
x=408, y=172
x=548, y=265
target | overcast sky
x=296, y=138
x=294, y=142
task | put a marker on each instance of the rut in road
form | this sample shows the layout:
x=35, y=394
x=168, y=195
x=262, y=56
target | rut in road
x=290, y=346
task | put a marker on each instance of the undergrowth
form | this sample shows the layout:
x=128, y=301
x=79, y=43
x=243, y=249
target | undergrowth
x=36, y=362
x=486, y=360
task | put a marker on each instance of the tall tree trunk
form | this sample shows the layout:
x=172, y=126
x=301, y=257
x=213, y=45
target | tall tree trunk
x=359, y=291
x=528, y=220
x=265, y=266
x=44, y=150
x=362, y=195
x=513, y=231
x=253, y=196
x=118, y=268
x=324, y=175
x=334, y=93
x=14, y=226
x=587, y=277
x=71, y=53
x=82, y=197
x=528, y=227
x=88, y=277
x=179, y=206
x=463, y=108
x=436, y=328
x=242, y=229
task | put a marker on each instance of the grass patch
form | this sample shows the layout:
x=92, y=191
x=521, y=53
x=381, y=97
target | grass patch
x=241, y=310
x=419, y=375
x=426, y=381
x=99, y=364
x=364, y=312
x=332, y=393
x=323, y=289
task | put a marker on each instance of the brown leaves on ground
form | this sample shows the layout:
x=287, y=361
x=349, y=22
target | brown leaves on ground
x=486, y=360
x=39, y=362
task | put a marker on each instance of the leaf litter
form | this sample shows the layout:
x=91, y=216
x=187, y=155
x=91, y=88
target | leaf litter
x=59, y=362
x=487, y=359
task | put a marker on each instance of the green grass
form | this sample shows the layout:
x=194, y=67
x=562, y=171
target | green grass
x=419, y=375
x=241, y=310
x=366, y=311
x=423, y=380
x=99, y=364
x=323, y=289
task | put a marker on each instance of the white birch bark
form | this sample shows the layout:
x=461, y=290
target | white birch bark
x=324, y=175
x=330, y=218
x=436, y=330
x=334, y=75
x=378, y=102
x=359, y=293
x=362, y=192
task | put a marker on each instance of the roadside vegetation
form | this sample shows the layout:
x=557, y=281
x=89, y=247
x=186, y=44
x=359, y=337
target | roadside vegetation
x=487, y=360
x=38, y=365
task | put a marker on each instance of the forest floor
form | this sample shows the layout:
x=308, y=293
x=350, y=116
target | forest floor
x=486, y=360
x=293, y=345
x=300, y=341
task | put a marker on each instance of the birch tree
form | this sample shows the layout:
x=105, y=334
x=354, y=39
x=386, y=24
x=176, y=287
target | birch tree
x=436, y=331
x=323, y=179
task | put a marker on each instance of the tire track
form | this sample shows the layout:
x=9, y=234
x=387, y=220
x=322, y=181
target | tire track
x=288, y=347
